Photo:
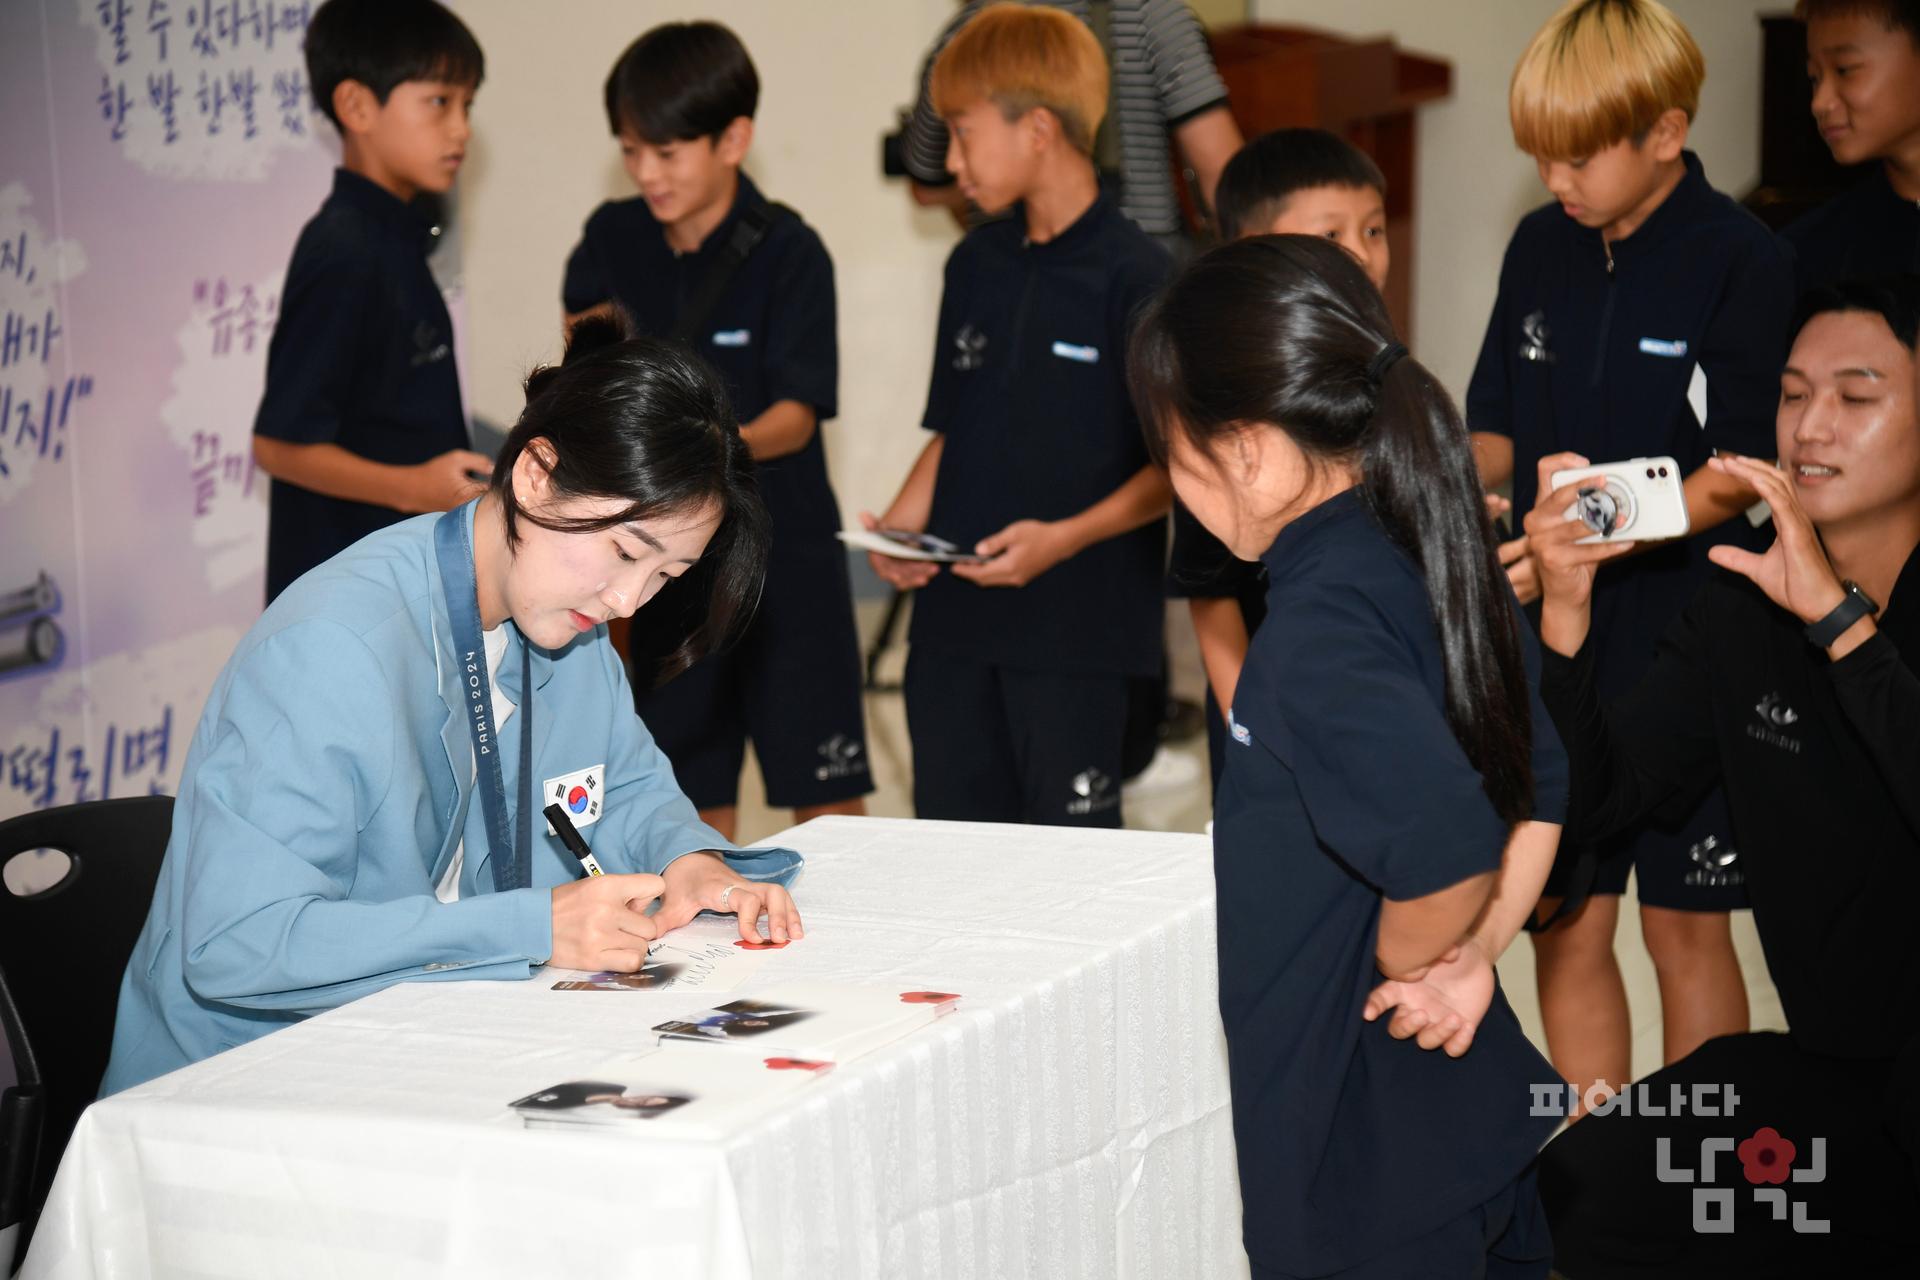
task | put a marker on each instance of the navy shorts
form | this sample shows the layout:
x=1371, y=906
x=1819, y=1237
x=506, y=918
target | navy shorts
x=1683, y=862
x=791, y=683
x=1004, y=744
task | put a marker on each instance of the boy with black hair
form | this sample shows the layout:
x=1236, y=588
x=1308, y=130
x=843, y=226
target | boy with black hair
x=1863, y=57
x=1640, y=313
x=701, y=256
x=361, y=422
x=1017, y=676
x=1287, y=182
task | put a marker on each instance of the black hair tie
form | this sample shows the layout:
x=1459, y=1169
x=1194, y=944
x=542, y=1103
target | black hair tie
x=1383, y=360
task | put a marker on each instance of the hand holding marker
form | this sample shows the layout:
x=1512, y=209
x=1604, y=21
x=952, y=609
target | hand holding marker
x=570, y=837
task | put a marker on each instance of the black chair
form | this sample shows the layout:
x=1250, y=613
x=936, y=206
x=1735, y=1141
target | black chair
x=62, y=952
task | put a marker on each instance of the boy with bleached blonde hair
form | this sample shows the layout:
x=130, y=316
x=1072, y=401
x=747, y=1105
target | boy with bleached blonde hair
x=1017, y=678
x=1641, y=313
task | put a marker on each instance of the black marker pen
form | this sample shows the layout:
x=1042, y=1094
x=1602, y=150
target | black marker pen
x=564, y=828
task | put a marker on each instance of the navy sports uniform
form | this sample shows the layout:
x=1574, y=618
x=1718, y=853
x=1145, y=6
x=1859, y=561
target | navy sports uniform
x=361, y=357
x=792, y=682
x=1362, y=1155
x=1017, y=697
x=1603, y=350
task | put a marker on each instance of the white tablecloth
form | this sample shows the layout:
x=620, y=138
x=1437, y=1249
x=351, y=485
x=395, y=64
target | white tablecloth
x=1069, y=1120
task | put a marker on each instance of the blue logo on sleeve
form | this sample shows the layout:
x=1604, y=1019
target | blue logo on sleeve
x=1673, y=349
x=1241, y=734
x=1072, y=351
x=733, y=337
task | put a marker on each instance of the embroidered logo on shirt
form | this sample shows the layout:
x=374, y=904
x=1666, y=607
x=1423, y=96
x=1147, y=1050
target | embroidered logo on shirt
x=1241, y=734
x=427, y=346
x=1073, y=351
x=580, y=793
x=1533, y=339
x=1093, y=792
x=842, y=758
x=733, y=337
x=1675, y=347
x=1774, y=715
x=973, y=348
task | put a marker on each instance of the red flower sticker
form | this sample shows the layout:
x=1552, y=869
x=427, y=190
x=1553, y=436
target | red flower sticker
x=1767, y=1156
x=797, y=1064
x=927, y=997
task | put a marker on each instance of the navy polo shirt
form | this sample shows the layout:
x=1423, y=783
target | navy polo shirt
x=1345, y=785
x=1868, y=230
x=771, y=335
x=1029, y=389
x=361, y=357
x=1597, y=359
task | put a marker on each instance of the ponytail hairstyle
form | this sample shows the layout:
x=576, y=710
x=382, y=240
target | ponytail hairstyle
x=647, y=422
x=1287, y=332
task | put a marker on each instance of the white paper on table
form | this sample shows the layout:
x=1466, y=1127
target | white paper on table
x=703, y=955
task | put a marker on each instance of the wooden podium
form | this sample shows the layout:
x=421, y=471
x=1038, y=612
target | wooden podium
x=1364, y=90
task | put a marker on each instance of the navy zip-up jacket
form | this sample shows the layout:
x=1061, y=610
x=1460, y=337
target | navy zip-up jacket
x=1605, y=349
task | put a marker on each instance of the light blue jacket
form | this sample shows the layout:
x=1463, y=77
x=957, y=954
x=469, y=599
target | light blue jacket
x=318, y=807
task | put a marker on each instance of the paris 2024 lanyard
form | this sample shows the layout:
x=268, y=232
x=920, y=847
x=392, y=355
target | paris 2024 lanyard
x=453, y=546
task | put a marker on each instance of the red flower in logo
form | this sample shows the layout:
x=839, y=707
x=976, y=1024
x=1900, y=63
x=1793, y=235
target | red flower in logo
x=1767, y=1156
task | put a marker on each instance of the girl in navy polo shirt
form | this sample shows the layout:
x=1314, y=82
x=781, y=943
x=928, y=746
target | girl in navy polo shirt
x=1392, y=795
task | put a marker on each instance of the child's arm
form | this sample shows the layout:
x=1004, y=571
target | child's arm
x=1207, y=141
x=911, y=508
x=434, y=485
x=1416, y=933
x=1516, y=891
x=1493, y=454
x=1443, y=1004
x=784, y=428
x=1026, y=549
x=1222, y=631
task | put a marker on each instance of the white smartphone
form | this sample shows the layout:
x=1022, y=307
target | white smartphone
x=1639, y=500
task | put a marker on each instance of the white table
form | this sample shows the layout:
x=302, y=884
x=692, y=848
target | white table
x=1071, y=1119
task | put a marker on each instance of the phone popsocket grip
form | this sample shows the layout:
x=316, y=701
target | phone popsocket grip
x=1605, y=510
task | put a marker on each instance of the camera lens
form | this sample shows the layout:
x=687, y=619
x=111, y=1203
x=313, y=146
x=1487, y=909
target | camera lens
x=1663, y=473
x=1649, y=473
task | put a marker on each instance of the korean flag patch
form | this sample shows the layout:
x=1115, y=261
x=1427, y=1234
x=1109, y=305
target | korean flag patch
x=581, y=794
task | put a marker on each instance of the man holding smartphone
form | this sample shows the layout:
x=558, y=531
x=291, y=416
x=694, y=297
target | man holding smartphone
x=1790, y=680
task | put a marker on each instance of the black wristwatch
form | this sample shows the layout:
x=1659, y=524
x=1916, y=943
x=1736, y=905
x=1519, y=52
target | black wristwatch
x=1857, y=605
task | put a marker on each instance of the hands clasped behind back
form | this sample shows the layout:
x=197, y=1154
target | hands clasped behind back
x=601, y=922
